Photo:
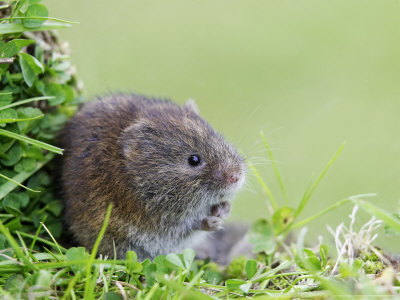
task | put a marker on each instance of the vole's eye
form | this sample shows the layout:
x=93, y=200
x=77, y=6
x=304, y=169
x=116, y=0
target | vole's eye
x=194, y=160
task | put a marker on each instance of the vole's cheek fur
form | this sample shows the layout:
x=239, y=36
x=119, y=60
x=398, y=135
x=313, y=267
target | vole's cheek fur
x=132, y=151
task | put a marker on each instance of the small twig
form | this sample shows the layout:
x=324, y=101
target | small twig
x=119, y=285
x=126, y=284
x=12, y=259
x=7, y=60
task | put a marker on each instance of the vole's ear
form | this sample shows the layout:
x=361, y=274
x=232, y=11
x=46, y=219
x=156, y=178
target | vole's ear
x=191, y=105
x=131, y=137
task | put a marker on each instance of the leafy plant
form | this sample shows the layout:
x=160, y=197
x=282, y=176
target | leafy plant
x=38, y=93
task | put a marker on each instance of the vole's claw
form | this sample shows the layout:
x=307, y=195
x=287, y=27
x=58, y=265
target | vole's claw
x=221, y=210
x=212, y=223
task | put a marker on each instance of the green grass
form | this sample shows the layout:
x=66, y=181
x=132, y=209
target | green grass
x=37, y=96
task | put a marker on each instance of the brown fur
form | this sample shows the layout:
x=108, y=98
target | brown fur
x=133, y=152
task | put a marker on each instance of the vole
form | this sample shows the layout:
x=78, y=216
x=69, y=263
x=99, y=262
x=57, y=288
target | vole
x=167, y=172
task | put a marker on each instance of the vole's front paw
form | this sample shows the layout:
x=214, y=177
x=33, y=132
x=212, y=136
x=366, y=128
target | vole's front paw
x=212, y=223
x=221, y=210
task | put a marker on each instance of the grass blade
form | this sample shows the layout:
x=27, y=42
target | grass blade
x=88, y=285
x=17, y=183
x=328, y=209
x=264, y=186
x=274, y=166
x=26, y=101
x=6, y=232
x=22, y=176
x=31, y=141
x=39, y=18
x=20, y=120
x=17, y=28
x=309, y=191
x=42, y=240
x=52, y=237
x=379, y=213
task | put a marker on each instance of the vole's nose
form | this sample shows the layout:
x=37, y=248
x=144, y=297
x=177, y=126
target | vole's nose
x=227, y=177
x=233, y=178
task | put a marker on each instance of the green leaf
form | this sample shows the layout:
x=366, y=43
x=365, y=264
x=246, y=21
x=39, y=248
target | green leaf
x=14, y=224
x=162, y=267
x=175, y=260
x=34, y=152
x=36, y=65
x=27, y=164
x=55, y=207
x=5, y=147
x=57, y=91
x=282, y=218
x=188, y=257
x=14, y=283
x=213, y=276
x=236, y=268
x=61, y=66
x=35, y=10
x=112, y=296
x=16, y=200
x=30, y=114
x=7, y=115
x=308, y=260
x=77, y=253
x=346, y=270
x=131, y=263
x=323, y=252
x=234, y=284
x=251, y=268
x=23, y=6
x=7, y=96
x=12, y=47
x=43, y=278
x=14, y=155
x=11, y=204
x=69, y=93
x=150, y=272
x=245, y=287
x=30, y=67
x=261, y=236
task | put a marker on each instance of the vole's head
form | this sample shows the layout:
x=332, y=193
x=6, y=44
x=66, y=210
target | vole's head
x=174, y=157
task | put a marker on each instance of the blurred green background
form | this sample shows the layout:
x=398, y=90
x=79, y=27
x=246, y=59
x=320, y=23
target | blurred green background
x=309, y=73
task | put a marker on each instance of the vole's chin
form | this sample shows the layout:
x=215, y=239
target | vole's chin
x=230, y=191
